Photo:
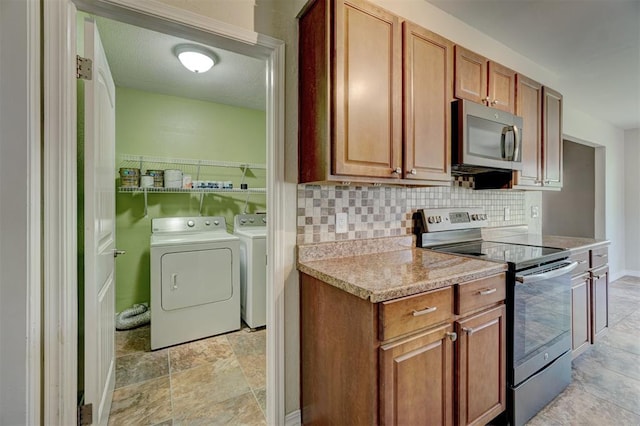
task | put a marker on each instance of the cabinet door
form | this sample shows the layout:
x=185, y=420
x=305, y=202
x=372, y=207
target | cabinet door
x=470, y=75
x=599, y=302
x=481, y=367
x=416, y=379
x=529, y=107
x=428, y=74
x=502, y=87
x=580, y=313
x=552, y=138
x=368, y=91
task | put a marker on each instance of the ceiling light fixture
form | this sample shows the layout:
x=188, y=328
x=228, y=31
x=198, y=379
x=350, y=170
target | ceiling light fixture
x=195, y=58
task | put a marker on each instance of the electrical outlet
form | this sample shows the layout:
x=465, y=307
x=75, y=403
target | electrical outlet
x=341, y=223
x=507, y=213
x=535, y=211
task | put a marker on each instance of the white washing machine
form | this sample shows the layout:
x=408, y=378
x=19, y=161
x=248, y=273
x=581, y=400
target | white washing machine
x=252, y=231
x=195, y=279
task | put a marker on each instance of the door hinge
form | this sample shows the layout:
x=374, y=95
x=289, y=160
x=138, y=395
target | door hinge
x=84, y=68
x=85, y=414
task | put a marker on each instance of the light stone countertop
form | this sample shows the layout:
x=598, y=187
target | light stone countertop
x=401, y=272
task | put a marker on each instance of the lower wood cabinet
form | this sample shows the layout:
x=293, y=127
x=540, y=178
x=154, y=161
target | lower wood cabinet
x=589, y=298
x=436, y=358
x=416, y=379
x=580, y=313
x=481, y=367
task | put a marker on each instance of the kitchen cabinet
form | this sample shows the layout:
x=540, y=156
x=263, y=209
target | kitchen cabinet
x=483, y=81
x=589, y=298
x=541, y=110
x=351, y=71
x=433, y=358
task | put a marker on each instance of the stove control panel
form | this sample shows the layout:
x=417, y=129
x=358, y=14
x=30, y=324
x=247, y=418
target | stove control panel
x=449, y=219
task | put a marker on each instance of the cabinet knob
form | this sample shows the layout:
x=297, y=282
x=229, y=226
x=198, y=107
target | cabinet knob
x=487, y=100
x=468, y=330
x=494, y=102
x=397, y=171
x=546, y=182
x=412, y=172
x=453, y=336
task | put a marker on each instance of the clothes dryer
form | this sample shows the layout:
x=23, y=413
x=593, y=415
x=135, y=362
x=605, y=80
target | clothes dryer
x=252, y=231
x=195, y=279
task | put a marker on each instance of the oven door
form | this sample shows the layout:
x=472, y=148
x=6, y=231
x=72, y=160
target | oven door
x=542, y=317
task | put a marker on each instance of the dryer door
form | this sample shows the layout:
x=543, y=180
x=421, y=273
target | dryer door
x=198, y=277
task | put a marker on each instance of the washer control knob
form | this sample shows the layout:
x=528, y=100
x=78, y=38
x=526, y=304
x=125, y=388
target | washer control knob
x=207, y=222
x=251, y=220
x=216, y=222
x=191, y=223
x=243, y=221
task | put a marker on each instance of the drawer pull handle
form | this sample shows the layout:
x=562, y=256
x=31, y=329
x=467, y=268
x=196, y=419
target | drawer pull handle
x=425, y=311
x=487, y=291
x=580, y=262
x=453, y=336
x=597, y=277
x=602, y=255
x=468, y=330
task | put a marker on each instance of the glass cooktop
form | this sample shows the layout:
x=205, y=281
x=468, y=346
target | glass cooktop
x=517, y=254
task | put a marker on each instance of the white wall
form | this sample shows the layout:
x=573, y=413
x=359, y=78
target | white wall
x=632, y=198
x=14, y=213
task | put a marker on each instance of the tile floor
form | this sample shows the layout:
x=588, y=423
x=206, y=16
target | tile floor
x=606, y=378
x=216, y=381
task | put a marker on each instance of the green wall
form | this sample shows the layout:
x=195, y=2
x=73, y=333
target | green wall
x=157, y=125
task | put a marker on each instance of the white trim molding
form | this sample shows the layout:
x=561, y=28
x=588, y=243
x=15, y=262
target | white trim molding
x=293, y=419
x=34, y=237
x=620, y=274
x=60, y=215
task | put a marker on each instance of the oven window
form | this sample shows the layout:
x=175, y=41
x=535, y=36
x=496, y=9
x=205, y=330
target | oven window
x=542, y=314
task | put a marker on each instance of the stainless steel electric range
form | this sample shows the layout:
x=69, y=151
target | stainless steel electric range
x=538, y=304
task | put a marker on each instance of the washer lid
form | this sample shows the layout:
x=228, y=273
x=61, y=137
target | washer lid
x=175, y=238
x=253, y=232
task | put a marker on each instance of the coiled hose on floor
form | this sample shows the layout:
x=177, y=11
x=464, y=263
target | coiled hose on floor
x=133, y=317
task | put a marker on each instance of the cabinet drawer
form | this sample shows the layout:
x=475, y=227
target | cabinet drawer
x=583, y=262
x=599, y=257
x=476, y=294
x=402, y=316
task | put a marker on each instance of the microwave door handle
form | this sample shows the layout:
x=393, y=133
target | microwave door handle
x=516, y=143
x=527, y=279
x=505, y=130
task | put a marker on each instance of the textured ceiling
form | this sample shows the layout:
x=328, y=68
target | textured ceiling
x=592, y=45
x=144, y=59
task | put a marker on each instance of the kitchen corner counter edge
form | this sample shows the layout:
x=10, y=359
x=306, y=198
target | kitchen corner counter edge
x=382, y=269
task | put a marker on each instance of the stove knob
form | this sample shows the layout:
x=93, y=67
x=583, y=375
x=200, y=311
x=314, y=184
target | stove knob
x=264, y=220
x=243, y=221
x=439, y=219
x=474, y=217
x=207, y=222
x=191, y=223
x=251, y=220
x=431, y=219
x=216, y=222
x=484, y=217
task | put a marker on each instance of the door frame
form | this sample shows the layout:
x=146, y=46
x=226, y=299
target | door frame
x=60, y=319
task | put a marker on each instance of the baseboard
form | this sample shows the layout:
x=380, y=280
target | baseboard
x=293, y=419
x=621, y=274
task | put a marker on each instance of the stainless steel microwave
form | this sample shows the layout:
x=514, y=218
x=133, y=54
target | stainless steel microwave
x=484, y=138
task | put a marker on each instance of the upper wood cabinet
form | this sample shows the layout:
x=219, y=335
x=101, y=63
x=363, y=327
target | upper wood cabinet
x=428, y=75
x=483, y=81
x=351, y=69
x=552, y=138
x=541, y=111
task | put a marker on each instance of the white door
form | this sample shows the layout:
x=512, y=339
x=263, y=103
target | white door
x=99, y=228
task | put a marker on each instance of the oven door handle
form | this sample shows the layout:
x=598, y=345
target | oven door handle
x=527, y=279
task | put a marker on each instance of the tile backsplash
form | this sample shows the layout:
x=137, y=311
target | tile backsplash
x=379, y=211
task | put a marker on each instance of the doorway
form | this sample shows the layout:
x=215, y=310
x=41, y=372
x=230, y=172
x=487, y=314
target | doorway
x=60, y=20
x=211, y=128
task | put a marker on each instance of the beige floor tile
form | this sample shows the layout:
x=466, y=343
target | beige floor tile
x=147, y=403
x=141, y=366
x=249, y=343
x=254, y=368
x=195, y=390
x=132, y=341
x=240, y=410
x=198, y=353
